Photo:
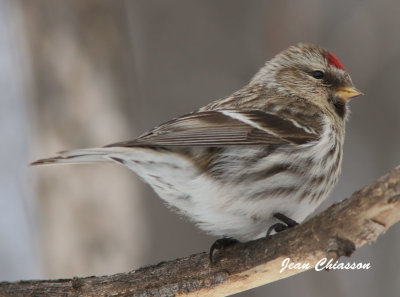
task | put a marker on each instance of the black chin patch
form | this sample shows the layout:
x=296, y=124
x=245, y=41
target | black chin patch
x=340, y=108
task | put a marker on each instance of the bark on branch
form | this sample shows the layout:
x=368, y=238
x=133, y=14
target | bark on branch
x=337, y=231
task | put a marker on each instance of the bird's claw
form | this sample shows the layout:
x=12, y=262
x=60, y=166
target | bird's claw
x=221, y=244
x=278, y=227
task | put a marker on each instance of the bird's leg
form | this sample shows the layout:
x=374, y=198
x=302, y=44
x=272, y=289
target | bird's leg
x=221, y=244
x=278, y=227
x=288, y=221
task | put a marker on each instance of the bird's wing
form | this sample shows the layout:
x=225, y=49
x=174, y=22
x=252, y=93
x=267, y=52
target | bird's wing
x=223, y=128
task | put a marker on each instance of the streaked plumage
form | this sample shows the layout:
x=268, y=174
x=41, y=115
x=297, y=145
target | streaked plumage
x=273, y=146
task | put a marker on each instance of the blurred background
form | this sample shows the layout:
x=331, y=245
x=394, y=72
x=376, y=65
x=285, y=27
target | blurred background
x=84, y=73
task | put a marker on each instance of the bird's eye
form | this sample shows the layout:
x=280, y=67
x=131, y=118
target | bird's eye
x=317, y=74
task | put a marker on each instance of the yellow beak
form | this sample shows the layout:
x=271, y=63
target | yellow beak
x=346, y=93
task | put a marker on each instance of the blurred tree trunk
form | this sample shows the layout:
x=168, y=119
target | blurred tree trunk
x=82, y=86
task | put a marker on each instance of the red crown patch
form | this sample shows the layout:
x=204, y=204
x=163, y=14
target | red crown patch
x=333, y=61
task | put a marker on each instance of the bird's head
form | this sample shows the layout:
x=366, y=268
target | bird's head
x=309, y=72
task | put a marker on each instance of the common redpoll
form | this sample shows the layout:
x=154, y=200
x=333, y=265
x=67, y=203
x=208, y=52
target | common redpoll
x=271, y=151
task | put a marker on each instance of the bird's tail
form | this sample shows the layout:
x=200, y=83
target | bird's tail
x=90, y=155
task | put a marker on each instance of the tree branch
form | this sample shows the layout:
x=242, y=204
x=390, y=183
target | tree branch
x=337, y=231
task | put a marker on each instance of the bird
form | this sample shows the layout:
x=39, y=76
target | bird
x=263, y=158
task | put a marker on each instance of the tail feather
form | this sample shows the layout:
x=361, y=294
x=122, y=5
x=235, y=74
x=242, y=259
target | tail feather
x=93, y=155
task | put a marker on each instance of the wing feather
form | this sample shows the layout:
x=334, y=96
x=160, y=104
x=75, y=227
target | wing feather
x=225, y=128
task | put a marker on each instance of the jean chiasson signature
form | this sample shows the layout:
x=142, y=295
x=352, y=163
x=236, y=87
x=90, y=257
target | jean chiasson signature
x=322, y=264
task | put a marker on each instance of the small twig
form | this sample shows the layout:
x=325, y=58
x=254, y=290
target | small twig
x=336, y=232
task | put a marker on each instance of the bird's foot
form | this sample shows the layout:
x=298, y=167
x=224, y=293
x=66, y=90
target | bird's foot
x=278, y=227
x=221, y=244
